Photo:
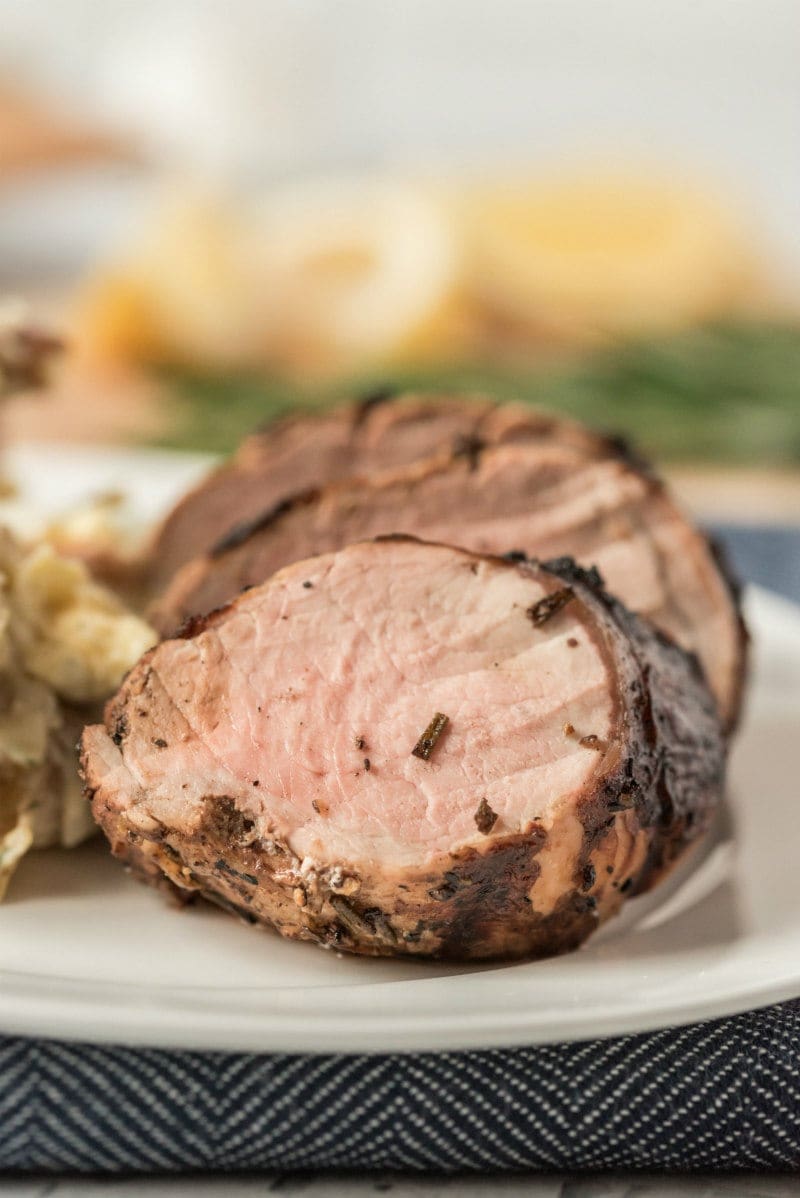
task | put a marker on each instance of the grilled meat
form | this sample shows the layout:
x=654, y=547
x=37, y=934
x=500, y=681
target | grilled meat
x=403, y=748
x=311, y=449
x=543, y=497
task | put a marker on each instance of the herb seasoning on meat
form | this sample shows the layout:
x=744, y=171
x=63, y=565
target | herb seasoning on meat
x=427, y=742
x=592, y=742
x=549, y=606
x=485, y=818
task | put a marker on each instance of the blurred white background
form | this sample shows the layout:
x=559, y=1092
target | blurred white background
x=256, y=89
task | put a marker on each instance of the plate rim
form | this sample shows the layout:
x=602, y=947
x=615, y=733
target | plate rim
x=375, y=1017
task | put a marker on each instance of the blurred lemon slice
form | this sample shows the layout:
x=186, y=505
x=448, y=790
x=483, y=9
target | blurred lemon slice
x=185, y=292
x=363, y=269
x=582, y=257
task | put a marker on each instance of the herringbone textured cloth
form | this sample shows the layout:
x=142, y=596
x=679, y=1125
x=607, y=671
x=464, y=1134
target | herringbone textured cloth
x=718, y=1095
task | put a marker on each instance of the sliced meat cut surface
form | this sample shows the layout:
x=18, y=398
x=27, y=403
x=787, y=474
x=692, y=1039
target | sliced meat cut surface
x=543, y=498
x=405, y=748
x=312, y=449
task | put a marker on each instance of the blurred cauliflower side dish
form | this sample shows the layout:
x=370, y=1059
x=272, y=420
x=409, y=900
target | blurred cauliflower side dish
x=65, y=644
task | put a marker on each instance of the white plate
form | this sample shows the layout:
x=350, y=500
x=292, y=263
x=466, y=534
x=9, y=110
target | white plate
x=87, y=953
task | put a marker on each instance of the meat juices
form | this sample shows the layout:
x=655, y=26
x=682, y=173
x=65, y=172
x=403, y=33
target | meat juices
x=546, y=496
x=569, y=754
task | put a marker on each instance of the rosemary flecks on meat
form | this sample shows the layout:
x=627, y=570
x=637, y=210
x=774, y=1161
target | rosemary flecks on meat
x=592, y=742
x=485, y=818
x=549, y=605
x=427, y=742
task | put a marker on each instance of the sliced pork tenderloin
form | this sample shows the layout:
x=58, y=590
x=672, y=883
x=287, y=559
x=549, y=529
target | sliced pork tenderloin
x=407, y=749
x=381, y=432
x=543, y=498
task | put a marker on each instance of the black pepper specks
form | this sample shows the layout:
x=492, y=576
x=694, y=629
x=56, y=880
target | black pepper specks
x=308, y=584
x=159, y=742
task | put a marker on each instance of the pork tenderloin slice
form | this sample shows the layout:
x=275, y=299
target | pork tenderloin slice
x=381, y=432
x=289, y=758
x=542, y=497
x=300, y=451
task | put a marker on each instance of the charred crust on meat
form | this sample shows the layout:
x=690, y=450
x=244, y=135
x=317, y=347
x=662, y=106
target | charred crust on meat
x=548, y=606
x=370, y=921
x=470, y=447
x=120, y=728
x=485, y=818
x=372, y=399
x=485, y=886
x=567, y=569
x=651, y=788
x=194, y=625
x=223, y=821
x=242, y=532
x=232, y=908
x=621, y=447
x=223, y=866
x=722, y=560
x=655, y=784
x=453, y=881
x=430, y=737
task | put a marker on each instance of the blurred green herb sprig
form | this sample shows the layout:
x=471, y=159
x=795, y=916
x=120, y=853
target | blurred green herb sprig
x=727, y=394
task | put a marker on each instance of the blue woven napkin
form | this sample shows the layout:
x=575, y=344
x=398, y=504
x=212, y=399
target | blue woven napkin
x=718, y=1095
x=723, y=1094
